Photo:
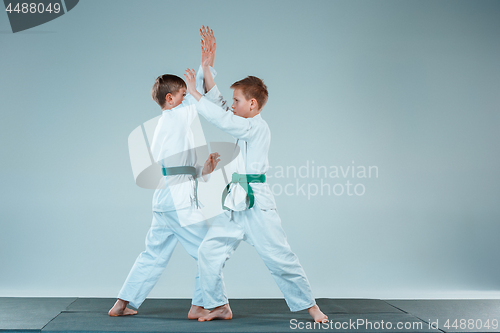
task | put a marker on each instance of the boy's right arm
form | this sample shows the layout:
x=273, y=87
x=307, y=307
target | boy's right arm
x=208, y=47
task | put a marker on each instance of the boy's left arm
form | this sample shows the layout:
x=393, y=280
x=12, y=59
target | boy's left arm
x=199, y=84
x=238, y=127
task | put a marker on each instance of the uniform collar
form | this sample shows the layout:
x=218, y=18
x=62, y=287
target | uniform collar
x=178, y=107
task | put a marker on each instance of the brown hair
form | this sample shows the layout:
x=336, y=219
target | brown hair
x=253, y=87
x=164, y=84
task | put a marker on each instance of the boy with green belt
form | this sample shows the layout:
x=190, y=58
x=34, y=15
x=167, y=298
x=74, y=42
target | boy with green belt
x=250, y=207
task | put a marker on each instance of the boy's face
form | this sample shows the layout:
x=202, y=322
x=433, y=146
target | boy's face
x=178, y=97
x=241, y=106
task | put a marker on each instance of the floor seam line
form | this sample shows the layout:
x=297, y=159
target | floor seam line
x=76, y=299
x=395, y=307
x=411, y=314
x=58, y=314
x=50, y=321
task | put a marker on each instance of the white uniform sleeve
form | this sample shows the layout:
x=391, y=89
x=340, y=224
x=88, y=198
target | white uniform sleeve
x=200, y=85
x=200, y=79
x=238, y=127
x=215, y=96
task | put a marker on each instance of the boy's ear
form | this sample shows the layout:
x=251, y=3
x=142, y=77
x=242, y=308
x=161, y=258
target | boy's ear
x=254, y=104
x=168, y=98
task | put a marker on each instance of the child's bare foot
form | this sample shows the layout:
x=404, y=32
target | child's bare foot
x=120, y=309
x=197, y=311
x=220, y=312
x=317, y=315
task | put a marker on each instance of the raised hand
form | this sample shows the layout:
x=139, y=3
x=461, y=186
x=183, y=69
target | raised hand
x=190, y=76
x=207, y=57
x=208, y=46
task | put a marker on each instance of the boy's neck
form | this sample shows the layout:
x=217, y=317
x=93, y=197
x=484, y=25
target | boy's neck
x=251, y=116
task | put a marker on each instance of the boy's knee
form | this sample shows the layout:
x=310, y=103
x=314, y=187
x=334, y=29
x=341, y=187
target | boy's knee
x=200, y=250
x=210, y=253
x=203, y=251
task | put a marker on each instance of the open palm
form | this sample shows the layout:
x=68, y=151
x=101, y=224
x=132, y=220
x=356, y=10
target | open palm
x=208, y=46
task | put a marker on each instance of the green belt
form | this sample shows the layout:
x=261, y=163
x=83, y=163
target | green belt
x=244, y=180
x=183, y=170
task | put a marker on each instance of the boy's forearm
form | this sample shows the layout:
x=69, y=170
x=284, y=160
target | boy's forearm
x=196, y=94
x=200, y=82
x=238, y=127
x=209, y=79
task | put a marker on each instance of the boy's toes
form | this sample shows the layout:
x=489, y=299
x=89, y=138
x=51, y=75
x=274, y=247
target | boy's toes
x=323, y=319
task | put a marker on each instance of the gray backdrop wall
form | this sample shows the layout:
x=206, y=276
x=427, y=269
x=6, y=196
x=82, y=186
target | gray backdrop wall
x=408, y=88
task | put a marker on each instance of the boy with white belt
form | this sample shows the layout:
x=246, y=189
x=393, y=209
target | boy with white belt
x=176, y=213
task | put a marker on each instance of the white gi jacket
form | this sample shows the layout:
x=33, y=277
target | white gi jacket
x=254, y=139
x=172, y=146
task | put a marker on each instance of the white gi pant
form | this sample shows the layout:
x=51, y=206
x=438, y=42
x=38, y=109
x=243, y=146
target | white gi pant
x=261, y=229
x=161, y=240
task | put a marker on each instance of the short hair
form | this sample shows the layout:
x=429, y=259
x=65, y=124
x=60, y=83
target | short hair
x=164, y=84
x=253, y=87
